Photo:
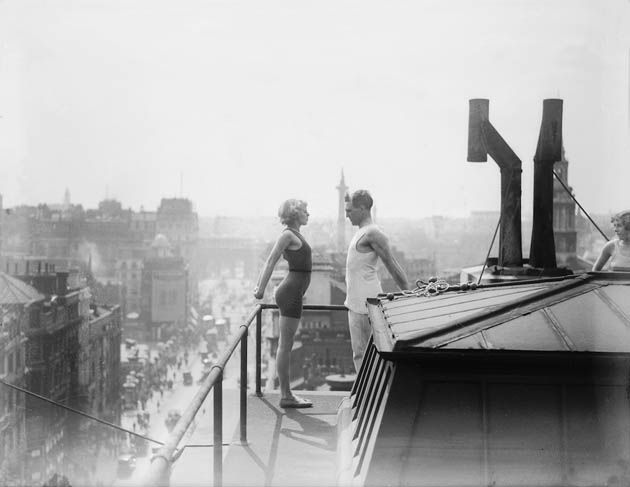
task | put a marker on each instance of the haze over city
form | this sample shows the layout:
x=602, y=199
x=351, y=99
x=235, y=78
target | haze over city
x=239, y=105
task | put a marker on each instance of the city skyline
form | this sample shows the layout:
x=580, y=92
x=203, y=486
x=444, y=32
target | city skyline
x=241, y=106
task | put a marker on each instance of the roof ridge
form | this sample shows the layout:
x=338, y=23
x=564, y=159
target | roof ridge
x=16, y=291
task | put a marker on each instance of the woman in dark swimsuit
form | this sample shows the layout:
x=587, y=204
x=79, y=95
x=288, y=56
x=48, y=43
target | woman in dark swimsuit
x=289, y=294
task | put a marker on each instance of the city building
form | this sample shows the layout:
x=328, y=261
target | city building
x=98, y=393
x=17, y=301
x=176, y=220
x=71, y=355
x=1, y=223
x=165, y=296
x=52, y=352
x=129, y=279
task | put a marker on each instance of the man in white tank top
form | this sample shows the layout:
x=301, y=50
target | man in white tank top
x=367, y=245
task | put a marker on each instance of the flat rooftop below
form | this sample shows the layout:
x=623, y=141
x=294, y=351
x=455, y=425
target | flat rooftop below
x=286, y=447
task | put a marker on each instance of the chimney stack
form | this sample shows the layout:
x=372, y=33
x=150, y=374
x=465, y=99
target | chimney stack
x=483, y=139
x=542, y=252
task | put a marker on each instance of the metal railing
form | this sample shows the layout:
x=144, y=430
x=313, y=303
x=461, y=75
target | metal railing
x=161, y=462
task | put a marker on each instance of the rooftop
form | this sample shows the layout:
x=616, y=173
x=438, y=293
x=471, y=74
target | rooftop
x=583, y=313
x=14, y=291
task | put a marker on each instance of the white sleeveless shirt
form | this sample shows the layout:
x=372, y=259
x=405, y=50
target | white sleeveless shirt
x=361, y=277
x=620, y=260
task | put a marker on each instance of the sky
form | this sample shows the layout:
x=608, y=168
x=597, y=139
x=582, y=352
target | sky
x=239, y=105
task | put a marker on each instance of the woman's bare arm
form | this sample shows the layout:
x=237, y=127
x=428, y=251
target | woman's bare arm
x=283, y=241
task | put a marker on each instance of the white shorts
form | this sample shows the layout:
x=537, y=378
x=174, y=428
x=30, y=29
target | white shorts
x=360, y=333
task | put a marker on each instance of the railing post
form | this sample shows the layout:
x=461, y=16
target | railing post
x=244, y=387
x=218, y=432
x=258, y=352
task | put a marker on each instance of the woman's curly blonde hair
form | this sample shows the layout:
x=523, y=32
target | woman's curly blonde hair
x=622, y=217
x=288, y=211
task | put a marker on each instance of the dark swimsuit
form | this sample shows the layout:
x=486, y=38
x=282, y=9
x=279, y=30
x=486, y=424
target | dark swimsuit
x=291, y=290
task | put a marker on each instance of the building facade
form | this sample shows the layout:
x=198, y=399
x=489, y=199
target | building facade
x=71, y=355
x=16, y=300
x=165, y=295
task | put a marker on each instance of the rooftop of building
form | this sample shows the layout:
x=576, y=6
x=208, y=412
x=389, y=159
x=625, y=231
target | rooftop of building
x=15, y=291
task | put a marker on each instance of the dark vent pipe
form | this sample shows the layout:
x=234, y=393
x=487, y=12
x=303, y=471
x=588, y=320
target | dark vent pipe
x=542, y=251
x=483, y=139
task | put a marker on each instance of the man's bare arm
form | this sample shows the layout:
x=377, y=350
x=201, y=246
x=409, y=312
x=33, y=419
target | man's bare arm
x=380, y=243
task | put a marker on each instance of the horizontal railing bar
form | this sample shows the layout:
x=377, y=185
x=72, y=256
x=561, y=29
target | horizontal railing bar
x=203, y=445
x=310, y=307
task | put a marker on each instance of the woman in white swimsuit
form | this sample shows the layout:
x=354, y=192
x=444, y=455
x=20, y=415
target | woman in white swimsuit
x=617, y=250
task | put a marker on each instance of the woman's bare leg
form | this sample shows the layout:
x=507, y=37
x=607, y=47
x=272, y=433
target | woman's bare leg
x=288, y=327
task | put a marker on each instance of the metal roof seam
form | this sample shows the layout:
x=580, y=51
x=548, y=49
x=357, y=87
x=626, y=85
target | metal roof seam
x=556, y=326
x=512, y=315
x=487, y=344
x=613, y=306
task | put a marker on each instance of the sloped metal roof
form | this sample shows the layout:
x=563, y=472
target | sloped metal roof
x=14, y=291
x=585, y=313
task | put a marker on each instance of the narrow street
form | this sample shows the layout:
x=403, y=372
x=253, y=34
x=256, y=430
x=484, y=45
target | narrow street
x=200, y=432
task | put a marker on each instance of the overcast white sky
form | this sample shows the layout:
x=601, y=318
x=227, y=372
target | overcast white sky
x=257, y=101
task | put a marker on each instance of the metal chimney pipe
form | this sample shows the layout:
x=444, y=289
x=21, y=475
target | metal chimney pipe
x=542, y=251
x=479, y=109
x=483, y=139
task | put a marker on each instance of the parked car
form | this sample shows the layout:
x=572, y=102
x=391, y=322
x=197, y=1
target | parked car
x=126, y=465
x=171, y=419
x=188, y=379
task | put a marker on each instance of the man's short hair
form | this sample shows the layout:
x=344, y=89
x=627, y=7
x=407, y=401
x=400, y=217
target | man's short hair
x=361, y=198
